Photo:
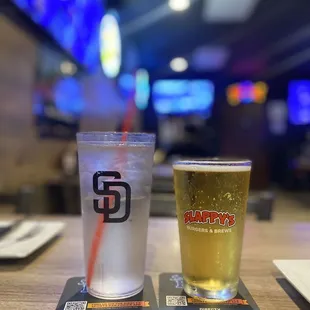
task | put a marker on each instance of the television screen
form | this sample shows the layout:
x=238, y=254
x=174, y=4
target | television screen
x=72, y=23
x=299, y=102
x=183, y=96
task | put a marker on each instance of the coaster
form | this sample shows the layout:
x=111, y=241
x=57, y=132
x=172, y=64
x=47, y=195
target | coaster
x=172, y=296
x=75, y=297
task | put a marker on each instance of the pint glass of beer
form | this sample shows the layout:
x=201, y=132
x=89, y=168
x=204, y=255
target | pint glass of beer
x=211, y=197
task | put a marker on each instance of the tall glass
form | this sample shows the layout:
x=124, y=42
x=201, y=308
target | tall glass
x=211, y=197
x=115, y=181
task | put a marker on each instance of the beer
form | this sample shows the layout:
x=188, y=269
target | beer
x=211, y=199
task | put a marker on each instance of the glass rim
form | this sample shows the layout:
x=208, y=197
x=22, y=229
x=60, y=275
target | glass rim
x=217, y=161
x=115, y=136
x=213, y=162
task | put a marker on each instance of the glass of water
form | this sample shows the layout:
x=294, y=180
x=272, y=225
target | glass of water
x=115, y=182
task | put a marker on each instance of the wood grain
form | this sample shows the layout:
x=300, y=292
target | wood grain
x=38, y=284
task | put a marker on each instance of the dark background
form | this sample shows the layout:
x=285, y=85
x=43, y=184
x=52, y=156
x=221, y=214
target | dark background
x=271, y=45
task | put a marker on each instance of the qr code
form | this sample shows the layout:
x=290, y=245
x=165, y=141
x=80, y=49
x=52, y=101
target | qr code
x=76, y=305
x=176, y=301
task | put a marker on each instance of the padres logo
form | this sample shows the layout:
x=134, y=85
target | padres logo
x=111, y=196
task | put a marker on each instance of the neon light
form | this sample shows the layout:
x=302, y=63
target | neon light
x=247, y=92
x=143, y=90
x=110, y=46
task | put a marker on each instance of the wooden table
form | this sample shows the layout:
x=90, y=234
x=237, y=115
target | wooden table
x=38, y=284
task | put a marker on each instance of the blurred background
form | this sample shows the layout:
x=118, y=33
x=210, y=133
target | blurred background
x=209, y=77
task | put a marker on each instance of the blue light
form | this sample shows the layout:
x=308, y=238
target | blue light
x=143, y=89
x=183, y=96
x=137, y=85
x=299, y=102
x=68, y=96
x=127, y=81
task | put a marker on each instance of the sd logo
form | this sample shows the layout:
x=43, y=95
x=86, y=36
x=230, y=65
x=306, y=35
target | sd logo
x=107, y=210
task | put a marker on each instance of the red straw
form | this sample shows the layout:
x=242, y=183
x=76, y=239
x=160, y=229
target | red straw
x=127, y=123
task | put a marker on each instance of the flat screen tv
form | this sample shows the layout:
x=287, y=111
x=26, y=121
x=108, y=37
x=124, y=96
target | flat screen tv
x=74, y=24
x=183, y=97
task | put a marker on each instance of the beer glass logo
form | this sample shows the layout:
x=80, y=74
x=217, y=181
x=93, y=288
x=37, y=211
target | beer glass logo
x=112, y=198
x=209, y=217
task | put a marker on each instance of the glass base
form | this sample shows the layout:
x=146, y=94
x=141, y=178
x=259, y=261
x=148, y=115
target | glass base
x=114, y=297
x=210, y=296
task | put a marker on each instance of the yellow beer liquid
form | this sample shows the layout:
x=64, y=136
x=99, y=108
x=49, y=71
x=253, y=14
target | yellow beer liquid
x=211, y=253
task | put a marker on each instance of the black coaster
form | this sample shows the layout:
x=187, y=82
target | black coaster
x=75, y=297
x=172, y=296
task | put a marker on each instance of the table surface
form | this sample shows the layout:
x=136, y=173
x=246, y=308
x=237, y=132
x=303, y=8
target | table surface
x=37, y=283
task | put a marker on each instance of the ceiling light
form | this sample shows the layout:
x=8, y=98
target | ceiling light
x=228, y=10
x=179, y=64
x=179, y=5
x=68, y=68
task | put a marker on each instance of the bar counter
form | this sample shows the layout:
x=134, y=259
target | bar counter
x=37, y=283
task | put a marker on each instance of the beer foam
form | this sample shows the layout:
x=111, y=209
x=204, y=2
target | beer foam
x=213, y=166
